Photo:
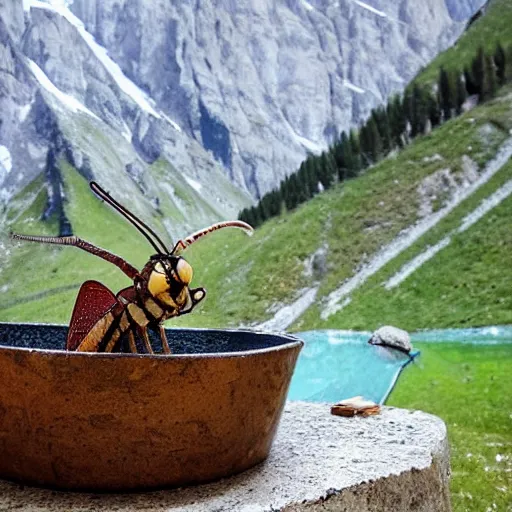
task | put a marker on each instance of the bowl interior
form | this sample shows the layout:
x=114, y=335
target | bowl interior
x=182, y=341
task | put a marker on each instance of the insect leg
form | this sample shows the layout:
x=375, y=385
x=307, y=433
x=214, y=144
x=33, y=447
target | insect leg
x=165, y=344
x=143, y=332
x=131, y=340
x=114, y=340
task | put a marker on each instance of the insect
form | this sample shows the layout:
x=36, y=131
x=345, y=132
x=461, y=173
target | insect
x=104, y=322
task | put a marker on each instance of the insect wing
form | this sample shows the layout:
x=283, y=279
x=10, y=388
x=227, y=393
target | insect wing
x=93, y=302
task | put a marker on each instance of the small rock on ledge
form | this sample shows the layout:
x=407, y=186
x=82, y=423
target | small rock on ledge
x=396, y=461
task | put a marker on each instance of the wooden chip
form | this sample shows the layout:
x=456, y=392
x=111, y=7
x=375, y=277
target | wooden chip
x=355, y=405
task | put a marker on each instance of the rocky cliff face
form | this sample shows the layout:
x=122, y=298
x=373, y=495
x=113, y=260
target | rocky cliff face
x=260, y=83
x=229, y=93
x=62, y=97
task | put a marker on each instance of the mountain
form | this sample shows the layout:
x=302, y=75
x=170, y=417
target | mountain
x=230, y=96
x=421, y=240
x=91, y=116
x=262, y=83
x=57, y=133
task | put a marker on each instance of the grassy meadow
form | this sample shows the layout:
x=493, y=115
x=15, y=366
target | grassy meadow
x=485, y=32
x=469, y=387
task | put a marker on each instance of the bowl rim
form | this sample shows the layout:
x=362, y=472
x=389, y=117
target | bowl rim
x=292, y=342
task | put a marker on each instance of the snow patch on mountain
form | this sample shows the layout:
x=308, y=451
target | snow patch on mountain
x=5, y=159
x=101, y=53
x=24, y=111
x=67, y=100
x=27, y=4
x=307, y=5
x=352, y=87
x=174, y=124
x=194, y=184
x=371, y=9
x=127, y=133
x=308, y=144
x=125, y=84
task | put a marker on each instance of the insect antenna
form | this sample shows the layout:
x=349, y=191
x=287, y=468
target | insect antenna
x=194, y=237
x=127, y=214
x=74, y=241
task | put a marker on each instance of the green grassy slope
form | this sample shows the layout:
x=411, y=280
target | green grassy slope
x=248, y=278
x=469, y=387
x=465, y=284
x=42, y=280
x=494, y=26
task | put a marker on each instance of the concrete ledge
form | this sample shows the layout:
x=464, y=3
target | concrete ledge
x=397, y=461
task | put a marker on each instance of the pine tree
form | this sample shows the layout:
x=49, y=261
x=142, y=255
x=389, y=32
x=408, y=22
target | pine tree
x=247, y=215
x=365, y=144
x=446, y=94
x=461, y=93
x=326, y=171
x=397, y=120
x=312, y=175
x=285, y=191
x=302, y=187
x=408, y=107
x=242, y=215
x=303, y=181
x=331, y=167
x=508, y=64
x=434, y=112
x=258, y=220
x=489, y=85
x=270, y=204
x=348, y=157
x=262, y=209
x=355, y=147
x=420, y=110
x=500, y=60
x=471, y=85
x=383, y=125
x=273, y=205
x=415, y=106
x=375, y=141
x=290, y=195
x=478, y=69
x=336, y=151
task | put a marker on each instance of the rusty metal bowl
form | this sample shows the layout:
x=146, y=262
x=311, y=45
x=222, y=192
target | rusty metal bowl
x=124, y=422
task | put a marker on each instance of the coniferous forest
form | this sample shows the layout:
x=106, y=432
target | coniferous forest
x=420, y=109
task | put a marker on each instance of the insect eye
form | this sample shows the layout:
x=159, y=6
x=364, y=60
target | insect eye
x=157, y=283
x=184, y=271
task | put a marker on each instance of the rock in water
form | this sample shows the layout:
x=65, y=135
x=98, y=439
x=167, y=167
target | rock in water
x=393, y=337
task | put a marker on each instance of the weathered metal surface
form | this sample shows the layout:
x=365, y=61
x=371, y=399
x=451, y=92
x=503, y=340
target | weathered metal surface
x=120, y=421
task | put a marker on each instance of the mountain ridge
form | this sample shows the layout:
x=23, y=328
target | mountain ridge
x=245, y=108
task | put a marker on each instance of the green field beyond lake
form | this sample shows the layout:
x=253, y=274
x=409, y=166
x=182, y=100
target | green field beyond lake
x=469, y=386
